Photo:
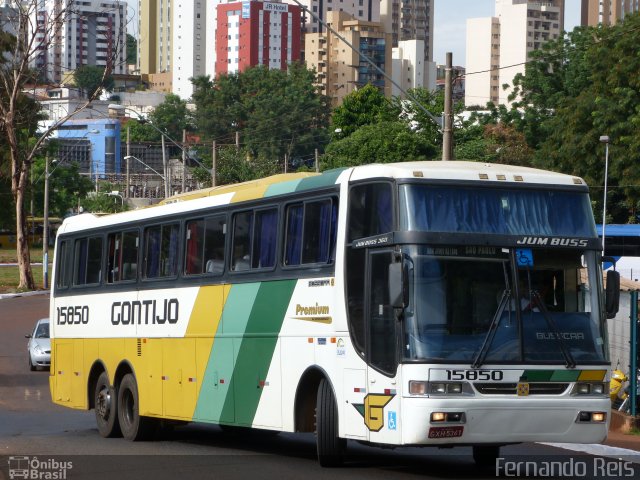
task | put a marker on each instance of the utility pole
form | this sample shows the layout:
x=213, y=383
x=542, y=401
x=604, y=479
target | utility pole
x=165, y=170
x=184, y=161
x=286, y=160
x=447, y=134
x=128, y=158
x=45, y=230
x=316, y=161
x=213, y=165
x=237, y=140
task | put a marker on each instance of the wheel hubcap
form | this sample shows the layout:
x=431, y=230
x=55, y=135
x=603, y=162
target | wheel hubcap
x=103, y=404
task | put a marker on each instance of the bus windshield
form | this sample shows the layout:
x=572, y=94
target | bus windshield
x=543, y=313
x=501, y=211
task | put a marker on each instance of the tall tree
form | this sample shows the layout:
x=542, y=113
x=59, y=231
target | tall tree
x=275, y=112
x=132, y=49
x=19, y=114
x=172, y=116
x=364, y=106
x=581, y=88
x=92, y=80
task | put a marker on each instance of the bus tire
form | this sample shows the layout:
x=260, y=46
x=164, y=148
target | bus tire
x=485, y=456
x=133, y=426
x=330, y=447
x=106, y=407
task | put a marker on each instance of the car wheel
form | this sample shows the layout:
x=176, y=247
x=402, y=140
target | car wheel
x=106, y=407
x=133, y=426
x=32, y=367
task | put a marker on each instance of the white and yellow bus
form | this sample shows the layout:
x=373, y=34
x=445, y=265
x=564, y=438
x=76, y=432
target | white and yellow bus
x=422, y=304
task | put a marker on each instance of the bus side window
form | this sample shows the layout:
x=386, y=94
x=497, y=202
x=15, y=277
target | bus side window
x=241, y=254
x=265, y=238
x=161, y=250
x=87, y=261
x=62, y=279
x=310, y=233
x=370, y=210
x=204, y=247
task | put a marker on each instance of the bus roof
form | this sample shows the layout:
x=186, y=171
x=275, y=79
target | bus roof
x=297, y=182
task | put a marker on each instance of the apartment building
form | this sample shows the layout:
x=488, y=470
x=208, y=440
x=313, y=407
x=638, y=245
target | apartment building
x=251, y=33
x=340, y=69
x=607, y=12
x=366, y=10
x=93, y=33
x=499, y=47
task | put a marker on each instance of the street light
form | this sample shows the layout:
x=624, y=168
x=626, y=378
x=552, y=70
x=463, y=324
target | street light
x=116, y=193
x=605, y=139
x=163, y=177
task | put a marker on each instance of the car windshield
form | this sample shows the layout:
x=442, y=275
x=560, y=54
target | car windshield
x=42, y=331
x=458, y=295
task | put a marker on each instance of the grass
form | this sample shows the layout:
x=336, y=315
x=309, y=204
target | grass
x=9, y=278
x=634, y=431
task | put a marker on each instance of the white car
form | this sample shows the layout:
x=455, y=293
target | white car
x=39, y=346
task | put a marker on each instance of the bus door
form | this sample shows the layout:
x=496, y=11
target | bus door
x=382, y=402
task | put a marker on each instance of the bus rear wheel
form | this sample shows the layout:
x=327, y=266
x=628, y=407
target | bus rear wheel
x=133, y=426
x=331, y=448
x=106, y=407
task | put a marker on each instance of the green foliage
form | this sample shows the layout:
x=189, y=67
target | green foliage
x=276, y=112
x=89, y=78
x=415, y=115
x=382, y=142
x=235, y=166
x=139, y=132
x=102, y=202
x=132, y=49
x=171, y=116
x=365, y=106
x=66, y=187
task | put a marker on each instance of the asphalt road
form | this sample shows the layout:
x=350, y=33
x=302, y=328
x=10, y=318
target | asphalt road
x=53, y=440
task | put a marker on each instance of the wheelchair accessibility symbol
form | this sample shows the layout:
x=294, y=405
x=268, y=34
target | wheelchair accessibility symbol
x=391, y=420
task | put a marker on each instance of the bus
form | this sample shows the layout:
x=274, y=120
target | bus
x=408, y=304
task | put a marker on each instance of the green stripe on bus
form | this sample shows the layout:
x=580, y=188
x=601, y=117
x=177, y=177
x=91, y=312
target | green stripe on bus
x=256, y=350
x=550, y=375
x=327, y=179
x=282, y=188
x=216, y=383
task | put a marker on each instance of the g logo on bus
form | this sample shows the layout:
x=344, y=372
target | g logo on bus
x=372, y=410
x=523, y=389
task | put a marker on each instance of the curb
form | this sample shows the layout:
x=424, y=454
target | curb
x=23, y=294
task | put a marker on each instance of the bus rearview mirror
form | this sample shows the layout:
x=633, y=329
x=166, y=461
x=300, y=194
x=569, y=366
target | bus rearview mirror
x=612, y=293
x=398, y=285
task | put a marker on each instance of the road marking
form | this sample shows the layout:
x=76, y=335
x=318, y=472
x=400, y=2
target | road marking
x=601, y=450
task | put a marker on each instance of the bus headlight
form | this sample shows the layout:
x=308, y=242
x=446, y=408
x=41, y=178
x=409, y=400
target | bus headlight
x=418, y=388
x=588, y=388
x=435, y=388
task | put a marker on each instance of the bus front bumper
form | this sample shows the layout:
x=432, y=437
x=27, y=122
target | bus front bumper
x=502, y=421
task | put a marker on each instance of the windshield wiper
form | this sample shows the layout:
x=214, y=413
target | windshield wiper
x=493, y=328
x=537, y=301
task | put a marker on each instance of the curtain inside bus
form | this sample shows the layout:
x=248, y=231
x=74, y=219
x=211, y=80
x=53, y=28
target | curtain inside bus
x=495, y=211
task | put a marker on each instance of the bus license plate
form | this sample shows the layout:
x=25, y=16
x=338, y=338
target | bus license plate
x=446, y=432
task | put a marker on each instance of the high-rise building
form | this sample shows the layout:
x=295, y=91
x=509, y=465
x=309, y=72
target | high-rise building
x=608, y=12
x=409, y=20
x=172, y=43
x=189, y=44
x=499, y=47
x=251, y=33
x=93, y=33
x=340, y=69
x=367, y=10
x=154, y=36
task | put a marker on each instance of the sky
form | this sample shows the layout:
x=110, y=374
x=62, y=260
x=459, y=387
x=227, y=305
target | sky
x=450, y=24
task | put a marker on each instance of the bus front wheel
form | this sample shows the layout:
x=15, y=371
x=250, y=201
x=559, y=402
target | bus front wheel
x=133, y=426
x=106, y=407
x=331, y=448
